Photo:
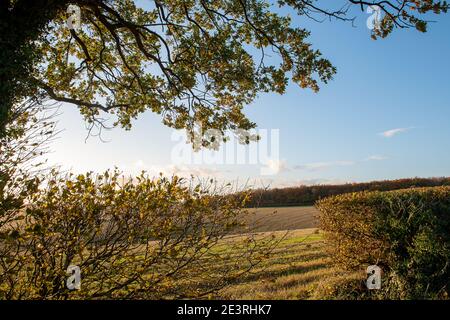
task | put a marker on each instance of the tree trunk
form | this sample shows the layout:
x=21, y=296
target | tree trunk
x=21, y=25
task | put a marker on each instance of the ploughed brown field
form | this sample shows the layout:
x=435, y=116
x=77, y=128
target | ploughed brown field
x=282, y=218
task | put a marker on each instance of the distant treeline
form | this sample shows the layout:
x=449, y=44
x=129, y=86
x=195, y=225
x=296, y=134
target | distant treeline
x=308, y=195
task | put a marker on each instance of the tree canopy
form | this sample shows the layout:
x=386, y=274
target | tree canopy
x=192, y=61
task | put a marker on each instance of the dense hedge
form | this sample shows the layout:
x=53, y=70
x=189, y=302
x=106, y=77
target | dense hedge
x=405, y=232
x=307, y=195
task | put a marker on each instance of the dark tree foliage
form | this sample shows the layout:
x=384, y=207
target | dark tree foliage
x=192, y=61
x=308, y=195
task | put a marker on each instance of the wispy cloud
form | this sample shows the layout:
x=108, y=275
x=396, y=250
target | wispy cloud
x=314, y=166
x=306, y=182
x=376, y=157
x=393, y=132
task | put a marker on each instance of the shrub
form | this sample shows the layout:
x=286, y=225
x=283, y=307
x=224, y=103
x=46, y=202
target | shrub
x=26, y=137
x=405, y=232
x=136, y=239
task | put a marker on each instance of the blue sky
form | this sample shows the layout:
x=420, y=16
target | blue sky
x=334, y=136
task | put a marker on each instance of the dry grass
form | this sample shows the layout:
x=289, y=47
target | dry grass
x=297, y=269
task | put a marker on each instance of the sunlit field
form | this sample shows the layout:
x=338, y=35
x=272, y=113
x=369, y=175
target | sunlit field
x=298, y=268
x=293, y=270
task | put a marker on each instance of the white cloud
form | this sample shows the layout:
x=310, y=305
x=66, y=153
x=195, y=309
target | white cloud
x=277, y=166
x=314, y=166
x=169, y=170
x=376, y=157
x=140, y=164
x=196, y=171
x=393, y=132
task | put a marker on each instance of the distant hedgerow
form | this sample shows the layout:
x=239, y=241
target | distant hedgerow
x=308, y=195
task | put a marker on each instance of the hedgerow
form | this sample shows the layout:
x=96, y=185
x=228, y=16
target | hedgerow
x=405, y=232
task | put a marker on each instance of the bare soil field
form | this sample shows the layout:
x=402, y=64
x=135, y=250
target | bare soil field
x=282, y=218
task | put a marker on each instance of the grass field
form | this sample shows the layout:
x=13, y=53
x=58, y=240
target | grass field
x=300, y=266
